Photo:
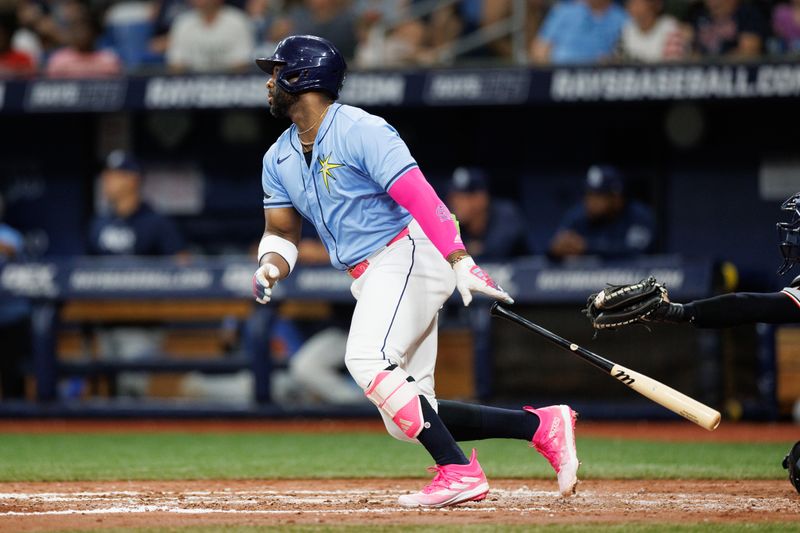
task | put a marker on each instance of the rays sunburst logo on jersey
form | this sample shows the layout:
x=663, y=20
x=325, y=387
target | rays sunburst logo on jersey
x=325, y=169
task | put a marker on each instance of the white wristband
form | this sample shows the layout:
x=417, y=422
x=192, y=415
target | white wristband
x=280, y=246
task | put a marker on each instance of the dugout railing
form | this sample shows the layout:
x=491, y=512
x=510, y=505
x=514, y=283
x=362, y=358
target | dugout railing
x=505, y=364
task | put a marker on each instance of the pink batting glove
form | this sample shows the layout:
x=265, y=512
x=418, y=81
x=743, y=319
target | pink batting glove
x=472, y=278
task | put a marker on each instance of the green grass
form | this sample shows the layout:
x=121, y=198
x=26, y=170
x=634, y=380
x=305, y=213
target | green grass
x=768, y=527
x=64, y=457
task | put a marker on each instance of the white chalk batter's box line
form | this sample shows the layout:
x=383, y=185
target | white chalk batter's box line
x=176, y=501
x=223, y=494
x=521, y=500
x=224, y=497
x=156, y=508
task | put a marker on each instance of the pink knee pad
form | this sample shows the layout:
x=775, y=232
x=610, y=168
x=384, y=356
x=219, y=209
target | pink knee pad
x=393, y=394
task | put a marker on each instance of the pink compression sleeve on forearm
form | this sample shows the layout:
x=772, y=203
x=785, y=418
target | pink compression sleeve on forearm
x=412, y=191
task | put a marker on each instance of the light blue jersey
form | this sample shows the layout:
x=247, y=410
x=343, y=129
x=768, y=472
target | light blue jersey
x=579, y=35
x=356, y=159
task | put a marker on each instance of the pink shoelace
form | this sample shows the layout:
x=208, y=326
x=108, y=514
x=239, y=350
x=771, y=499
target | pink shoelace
x=442, y=479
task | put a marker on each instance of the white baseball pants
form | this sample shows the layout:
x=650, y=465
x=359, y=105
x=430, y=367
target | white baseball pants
x=395, y=319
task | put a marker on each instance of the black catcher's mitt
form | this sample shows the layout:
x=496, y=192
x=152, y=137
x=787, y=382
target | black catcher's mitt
x=792, y=463
x=620, y=305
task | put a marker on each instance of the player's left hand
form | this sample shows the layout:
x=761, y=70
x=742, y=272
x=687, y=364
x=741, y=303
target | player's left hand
x=263, y=280
x=472, y=278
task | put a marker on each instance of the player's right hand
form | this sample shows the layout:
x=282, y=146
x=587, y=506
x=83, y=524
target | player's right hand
x=472, y=278
x=263, y=280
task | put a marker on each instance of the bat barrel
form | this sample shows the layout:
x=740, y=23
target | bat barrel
x=677, y=402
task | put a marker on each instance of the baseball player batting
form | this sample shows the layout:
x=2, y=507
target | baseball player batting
x=351, y=175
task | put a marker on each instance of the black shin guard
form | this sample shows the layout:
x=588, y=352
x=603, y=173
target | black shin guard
x=476, y=422
x=437, y=440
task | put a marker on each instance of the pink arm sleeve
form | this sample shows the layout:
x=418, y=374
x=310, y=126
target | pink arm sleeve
x=412, y=191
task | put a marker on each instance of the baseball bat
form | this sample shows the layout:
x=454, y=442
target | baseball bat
x=677, y=402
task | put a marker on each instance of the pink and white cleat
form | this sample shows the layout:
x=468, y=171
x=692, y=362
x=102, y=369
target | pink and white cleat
x=452, y=484
x=555, y=440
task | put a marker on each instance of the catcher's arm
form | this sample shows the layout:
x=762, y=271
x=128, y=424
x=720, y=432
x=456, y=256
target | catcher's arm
x=622, y=305
x=647, y=301
x=739, y=308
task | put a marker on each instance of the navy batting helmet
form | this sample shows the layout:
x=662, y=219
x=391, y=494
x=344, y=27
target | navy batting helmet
x=310, y=62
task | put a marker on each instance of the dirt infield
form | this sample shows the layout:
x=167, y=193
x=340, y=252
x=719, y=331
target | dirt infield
x=100, y=505
x=89, y=505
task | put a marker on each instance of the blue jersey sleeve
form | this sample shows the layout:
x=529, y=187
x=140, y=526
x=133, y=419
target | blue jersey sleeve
x=376, y=150
x=275, y=194
x=553, y=23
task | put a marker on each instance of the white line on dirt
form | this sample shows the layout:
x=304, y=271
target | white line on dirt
x=164, y=509
x=322, y=502
x=291, y=495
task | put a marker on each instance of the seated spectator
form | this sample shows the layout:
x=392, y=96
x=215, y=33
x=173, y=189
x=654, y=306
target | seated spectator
x=579, y=31
x=317, y=373
x=49, y=21
x=80, y=58
x=378, y=46
x=130, y=227
x=494, y=11
x=334, y=20
x=26, y=40
x=649, y=35
x=606, y=223
x=128, y=28
x=13, y=62
x=212, y=37
x=15, y=321
x=263, y=14
x=444, y=25
x=165, y=14
x=492, y=229
x=728, y=28
x=786, y=25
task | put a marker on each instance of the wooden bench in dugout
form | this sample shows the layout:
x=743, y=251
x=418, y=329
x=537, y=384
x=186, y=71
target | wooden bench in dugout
x=196, y=340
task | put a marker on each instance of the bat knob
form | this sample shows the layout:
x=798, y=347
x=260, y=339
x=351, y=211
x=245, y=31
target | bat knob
x=494, y=309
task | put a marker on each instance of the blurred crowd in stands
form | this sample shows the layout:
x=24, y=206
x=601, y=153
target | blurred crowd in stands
x=96, y=38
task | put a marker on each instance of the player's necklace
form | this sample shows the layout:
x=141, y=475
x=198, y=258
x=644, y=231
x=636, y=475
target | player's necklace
x=314, y=125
